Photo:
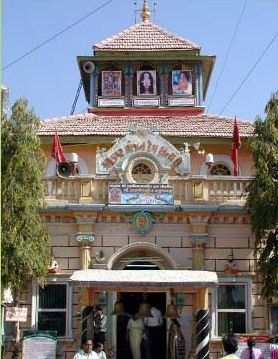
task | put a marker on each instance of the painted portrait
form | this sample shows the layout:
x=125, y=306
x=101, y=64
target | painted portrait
x=182, y=82
x=111, y=83
x=146, y=82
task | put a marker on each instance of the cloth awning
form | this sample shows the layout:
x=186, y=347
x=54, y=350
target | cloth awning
x=143, y=279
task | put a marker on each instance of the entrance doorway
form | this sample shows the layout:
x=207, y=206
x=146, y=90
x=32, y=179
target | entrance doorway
x=131, y=303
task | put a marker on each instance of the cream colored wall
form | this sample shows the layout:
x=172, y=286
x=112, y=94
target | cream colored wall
x=88, y=153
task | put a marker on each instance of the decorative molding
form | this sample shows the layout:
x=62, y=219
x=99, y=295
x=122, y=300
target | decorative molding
x=144, y=142
x=142, y=221
x=85, y=237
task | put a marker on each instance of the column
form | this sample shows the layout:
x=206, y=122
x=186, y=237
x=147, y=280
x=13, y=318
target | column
x=202, y=324
x=199, y=238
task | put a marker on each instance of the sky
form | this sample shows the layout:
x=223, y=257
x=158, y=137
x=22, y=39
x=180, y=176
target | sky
x=238, y=32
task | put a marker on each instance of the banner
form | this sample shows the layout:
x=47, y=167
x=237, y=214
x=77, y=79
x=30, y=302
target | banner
x=141, y=194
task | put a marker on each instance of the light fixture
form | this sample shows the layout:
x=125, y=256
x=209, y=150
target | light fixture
x=172, y=310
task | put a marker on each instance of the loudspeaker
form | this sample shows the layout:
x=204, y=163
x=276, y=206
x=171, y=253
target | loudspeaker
x=64, y=169
x=89, y=67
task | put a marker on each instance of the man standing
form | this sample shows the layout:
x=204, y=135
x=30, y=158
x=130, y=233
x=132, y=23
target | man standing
x=153, y=325
x=100, y=325
x=87, y=351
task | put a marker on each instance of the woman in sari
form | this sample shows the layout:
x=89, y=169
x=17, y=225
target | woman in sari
x=176, y=342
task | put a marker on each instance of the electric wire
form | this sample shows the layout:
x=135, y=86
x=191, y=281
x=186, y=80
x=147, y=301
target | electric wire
x=248, y=74
x=227, y=54
x=56, y=35
x=76, y=97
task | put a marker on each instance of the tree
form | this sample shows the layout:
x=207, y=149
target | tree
x=25, y=243
x=262, y=198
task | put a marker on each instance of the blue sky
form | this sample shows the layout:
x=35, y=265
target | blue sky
x=49, y=77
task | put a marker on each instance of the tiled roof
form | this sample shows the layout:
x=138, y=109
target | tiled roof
x=145, y=36
x=89, y=124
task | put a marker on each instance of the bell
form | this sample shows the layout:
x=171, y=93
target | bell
x=118, y=309
x=172, y=311
x=144, y=310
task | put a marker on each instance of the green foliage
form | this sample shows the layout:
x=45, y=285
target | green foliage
x=25, y=243
x=263, y=196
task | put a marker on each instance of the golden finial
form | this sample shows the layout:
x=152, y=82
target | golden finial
x=145, y=13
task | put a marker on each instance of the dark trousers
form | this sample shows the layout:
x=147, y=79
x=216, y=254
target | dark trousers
x=155, y=341
x=99, y=338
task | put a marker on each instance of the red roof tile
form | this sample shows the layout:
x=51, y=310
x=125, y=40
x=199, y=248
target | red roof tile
x=89, y=124
x=145, y=36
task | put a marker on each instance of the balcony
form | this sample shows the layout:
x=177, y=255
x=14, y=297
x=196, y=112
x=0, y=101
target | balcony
x=192, y=190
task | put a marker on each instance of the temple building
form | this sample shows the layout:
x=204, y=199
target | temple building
x=148, y=208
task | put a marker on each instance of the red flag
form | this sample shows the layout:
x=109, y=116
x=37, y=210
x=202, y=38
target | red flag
x=235, y=146
x=57, y=151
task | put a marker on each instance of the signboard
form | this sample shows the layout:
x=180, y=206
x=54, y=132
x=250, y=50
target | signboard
x=145, y=142
x=182, y=101
x=16, y=314
x=111, y=102
x=146, y=102
x=141, y=194
x=39, y=345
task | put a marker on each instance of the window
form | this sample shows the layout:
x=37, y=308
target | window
x=232, y=306
x=220, y=169
x=231, y=311
x=53, y=304
x=142, y=173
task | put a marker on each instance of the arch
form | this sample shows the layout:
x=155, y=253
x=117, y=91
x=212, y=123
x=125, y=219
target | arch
x=144, y=158
x=148, y=251
x=218, y=158
x=51, y=167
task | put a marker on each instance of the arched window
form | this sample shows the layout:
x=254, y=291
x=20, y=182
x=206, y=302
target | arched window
x=142, y=173
x=219, y=169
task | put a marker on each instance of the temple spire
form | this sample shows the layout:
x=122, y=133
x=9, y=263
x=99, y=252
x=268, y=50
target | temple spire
x=145, y=13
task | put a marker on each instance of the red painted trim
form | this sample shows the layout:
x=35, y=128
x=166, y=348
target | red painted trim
x=188, y=111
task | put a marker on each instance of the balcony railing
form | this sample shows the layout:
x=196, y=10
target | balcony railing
x=193, y=190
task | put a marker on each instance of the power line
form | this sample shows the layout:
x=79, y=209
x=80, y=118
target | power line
x=249, y=73
x=56, y=35
x=76, y=97
x=227, y=54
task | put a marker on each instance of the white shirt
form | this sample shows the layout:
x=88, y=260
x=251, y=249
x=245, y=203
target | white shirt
x=102, y=355
x=82, y=355
x=156, y=320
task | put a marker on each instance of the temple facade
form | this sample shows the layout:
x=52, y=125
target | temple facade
x=147, y=208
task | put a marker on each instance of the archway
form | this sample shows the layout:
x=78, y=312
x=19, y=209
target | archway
x=142, y=252
x=141, y=256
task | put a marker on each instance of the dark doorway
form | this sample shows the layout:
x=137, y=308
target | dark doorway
x=131, y=303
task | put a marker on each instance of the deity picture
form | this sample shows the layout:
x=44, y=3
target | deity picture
x=146, y=82
x=111, y=83
x=182, y=82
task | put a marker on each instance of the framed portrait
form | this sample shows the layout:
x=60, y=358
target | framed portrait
x=182, y=82
x=111, y=83
x=146, y=82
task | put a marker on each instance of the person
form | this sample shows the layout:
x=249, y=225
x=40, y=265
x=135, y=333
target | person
x=153, y=328
x=99, y=350
x=176, y=342
x=250, y=352
x=99, y=324
x=230, y=346
x=87, y=351
x=146, y=83
x=182, y=84
x=135, y=331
